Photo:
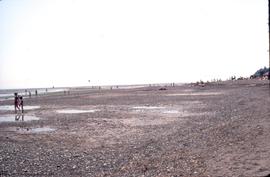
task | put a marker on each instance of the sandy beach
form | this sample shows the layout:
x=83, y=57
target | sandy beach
x=221, y=129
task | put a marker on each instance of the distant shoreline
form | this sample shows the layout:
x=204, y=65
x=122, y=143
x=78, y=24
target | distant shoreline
x=90, y=86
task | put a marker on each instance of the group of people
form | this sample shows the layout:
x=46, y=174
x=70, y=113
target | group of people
x=18, y=102
x=30, y=94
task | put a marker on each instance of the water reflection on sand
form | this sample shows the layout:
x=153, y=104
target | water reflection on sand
x=17, y=118
x=11, y=107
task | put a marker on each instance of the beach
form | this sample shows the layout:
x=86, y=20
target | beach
x=219, y=129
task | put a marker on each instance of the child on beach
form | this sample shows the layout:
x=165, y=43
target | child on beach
x=16, y=102
x=21, y=102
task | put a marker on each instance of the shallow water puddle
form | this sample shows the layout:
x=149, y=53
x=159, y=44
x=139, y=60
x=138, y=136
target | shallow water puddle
x=11, y=107
x=148, y=107
x=17, y=118
x=75, y=111
x=33, y=130
x=171, y=112
x=158, y=109
x=146, y=122
x=42, y=129
x=196, y=94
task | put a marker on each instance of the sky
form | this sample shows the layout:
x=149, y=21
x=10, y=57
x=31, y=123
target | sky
x=69, y=42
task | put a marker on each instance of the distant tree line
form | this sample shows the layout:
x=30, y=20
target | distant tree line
x=261, y=72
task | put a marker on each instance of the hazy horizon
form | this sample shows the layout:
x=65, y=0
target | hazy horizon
x=96, y=86
x=65, y=43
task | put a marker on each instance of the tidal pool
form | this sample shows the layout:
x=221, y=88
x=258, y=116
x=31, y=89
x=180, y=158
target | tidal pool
x=75, y=111
x=17, y=118
x=11, y=107
x=196, y=94
x=42, y=129
x=32, y=130
x=171, y=112
x=148, y=107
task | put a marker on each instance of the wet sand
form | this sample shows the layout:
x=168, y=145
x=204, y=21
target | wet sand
x=217, y=130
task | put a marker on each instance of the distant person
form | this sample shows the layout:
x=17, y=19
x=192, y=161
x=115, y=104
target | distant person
x=16, y=102
x=36, y=92
x=29, y=94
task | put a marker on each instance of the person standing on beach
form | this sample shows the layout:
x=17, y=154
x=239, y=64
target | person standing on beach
x=21, y=102
x=16, y=102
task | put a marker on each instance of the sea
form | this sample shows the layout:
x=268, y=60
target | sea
x=8, y=94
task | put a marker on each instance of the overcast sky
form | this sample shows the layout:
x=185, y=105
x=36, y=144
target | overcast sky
x=68, y=42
